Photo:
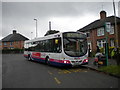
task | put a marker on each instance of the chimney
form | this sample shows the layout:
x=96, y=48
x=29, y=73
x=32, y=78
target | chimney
x=102, y=15
x=14, y=31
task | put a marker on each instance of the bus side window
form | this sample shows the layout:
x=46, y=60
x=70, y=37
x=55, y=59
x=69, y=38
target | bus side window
x=31, y=47
x=26, y=47
x=57, y=44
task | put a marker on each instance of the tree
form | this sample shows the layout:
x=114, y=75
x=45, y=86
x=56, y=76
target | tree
x=51, y=32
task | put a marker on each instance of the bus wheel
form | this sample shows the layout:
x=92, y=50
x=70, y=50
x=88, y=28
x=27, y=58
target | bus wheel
x=47, y=60
x=29, y=58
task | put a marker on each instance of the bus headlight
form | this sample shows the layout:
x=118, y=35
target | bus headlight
x=65, y=61
x=85, y=60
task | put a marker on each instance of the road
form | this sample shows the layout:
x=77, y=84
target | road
x=19, y=73
x=0, y=70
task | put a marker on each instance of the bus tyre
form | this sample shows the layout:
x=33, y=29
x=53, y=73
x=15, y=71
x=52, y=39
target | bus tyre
x=47, y=60
x=29, y=58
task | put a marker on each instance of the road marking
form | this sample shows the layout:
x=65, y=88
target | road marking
x=78, y=70
x=75, y=70
x=58, y=81
x=71, y=71
x=50, y=72
x=67, y=71
x=85, y=71
x=64, y=71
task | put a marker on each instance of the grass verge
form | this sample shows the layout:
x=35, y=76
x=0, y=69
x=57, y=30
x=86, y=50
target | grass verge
x=112, y=69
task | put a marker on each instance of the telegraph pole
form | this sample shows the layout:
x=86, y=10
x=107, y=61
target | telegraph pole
x=116, y=31
x=116, y=35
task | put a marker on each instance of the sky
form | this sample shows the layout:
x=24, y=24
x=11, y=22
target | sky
x=64, y=16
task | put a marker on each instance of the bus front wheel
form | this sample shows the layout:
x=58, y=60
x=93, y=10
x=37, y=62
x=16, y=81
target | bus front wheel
x=29, y=57
x=47, y=60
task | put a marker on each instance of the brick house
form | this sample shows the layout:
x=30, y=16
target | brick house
x=12, y=41
x=96, y=32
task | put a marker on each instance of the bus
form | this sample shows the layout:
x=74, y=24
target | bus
x=60, y=49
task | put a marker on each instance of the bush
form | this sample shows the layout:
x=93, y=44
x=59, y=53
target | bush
x=111, y=51
x=16, y=50
x=93, y=54
x=102, y=50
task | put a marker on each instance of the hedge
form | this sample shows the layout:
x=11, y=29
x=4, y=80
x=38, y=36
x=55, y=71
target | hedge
x=16, y=50
x=111, y=51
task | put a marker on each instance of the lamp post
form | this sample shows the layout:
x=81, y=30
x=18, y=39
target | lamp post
x=31, y=34
x=36, y=27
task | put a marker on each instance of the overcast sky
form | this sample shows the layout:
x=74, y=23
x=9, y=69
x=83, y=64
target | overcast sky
x=64, y=16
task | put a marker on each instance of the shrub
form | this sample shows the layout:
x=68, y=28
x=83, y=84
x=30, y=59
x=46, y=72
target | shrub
x=16, y=50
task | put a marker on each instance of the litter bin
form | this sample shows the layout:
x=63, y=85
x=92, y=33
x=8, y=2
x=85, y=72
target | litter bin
x=102, y=61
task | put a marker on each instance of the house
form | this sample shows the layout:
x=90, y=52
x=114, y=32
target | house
x=12, y=41
x=96, y=32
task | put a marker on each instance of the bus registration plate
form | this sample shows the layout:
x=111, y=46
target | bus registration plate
x=76, y=58
x=76, y=63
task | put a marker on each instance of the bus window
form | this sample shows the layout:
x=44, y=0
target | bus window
x=26, y=47
x=56, y=41
x=32, y=46
x=75, y=44
x=57, y=45
x=50, y=45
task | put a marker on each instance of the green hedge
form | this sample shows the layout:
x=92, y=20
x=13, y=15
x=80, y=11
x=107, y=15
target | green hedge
x=111, y=51
x=16, y=50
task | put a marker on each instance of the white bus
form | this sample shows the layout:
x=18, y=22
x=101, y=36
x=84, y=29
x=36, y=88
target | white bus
x=60, y=49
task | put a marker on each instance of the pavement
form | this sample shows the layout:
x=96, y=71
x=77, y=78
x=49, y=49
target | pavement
x=91, y=60
x=90, y=65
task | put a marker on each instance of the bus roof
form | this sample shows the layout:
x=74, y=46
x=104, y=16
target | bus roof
x=59, y=34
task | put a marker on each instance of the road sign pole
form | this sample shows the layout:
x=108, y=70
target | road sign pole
x=107, y=29
x=106, y=49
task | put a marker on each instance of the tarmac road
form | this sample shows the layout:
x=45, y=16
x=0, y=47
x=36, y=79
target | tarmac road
x=17, y=72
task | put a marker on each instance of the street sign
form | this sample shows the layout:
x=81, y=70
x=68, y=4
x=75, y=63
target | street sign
x=108, y=26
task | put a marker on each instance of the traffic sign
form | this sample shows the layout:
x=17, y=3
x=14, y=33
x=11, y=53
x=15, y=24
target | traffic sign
x=108, y=26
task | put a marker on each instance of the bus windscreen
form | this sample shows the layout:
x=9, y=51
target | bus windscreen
x=75, y=44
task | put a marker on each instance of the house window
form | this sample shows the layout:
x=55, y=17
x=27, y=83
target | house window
x=5, y=47
x=100, y=31
x=11, y=47
x=11, y=43
x=101, y=43
x=112, y=30
x=5, y=43
x=88, y=34
x=112, y=42
x=16, y=42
